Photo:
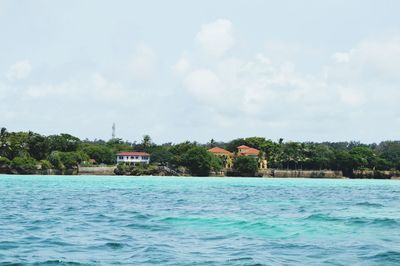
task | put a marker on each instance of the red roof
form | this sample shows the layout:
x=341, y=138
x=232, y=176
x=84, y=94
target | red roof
x=243, y=147
x=245, y=150
x=250, y=151
x=219, y=150
x=133, y=153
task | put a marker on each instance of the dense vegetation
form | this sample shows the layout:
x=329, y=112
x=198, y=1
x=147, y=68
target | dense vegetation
x=29, y=150
x=245, y=166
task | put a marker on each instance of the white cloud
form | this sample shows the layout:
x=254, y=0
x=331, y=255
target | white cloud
x=95, y=87
x=216, y=37
x=144, y=63
x=341, y=57
x=205, y=86
x=259, y=90
x=369, y=59
x=106, y=90
x=19, y=70
x=351, y=96
x=249, y=88
x=66, y=89
x=182, y=66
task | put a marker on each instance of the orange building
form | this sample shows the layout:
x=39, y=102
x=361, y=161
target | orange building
x=251, y=152
x=247, y=151
x=226, y=156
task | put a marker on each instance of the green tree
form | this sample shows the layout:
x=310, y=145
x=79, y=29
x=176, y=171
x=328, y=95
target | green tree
x=45, y=164
x=198, y=160
x=38, y=146
x=63, y=142
x=100, y=153
x=4, y=162
x=55, y=160
x=178, y=151
x=67, y=160
x=217, y=163
x=343, y=161
x=245, y=166
x=292, y=155
x=317, y=156
x=146, y=142
x=17, y=145
x=390, y=151
x=161, y=155
x=363, y=158
x=4, y=142
x=117, y=145
x=24, y=163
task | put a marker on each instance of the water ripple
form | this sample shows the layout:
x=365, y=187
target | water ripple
x=197, y=221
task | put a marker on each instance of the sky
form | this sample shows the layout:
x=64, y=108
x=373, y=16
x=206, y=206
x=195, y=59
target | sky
x=199, y=70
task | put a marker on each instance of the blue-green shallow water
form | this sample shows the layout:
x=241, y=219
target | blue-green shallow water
x=73, y=220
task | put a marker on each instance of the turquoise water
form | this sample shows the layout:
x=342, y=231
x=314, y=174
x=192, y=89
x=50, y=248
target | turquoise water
x=73, y=220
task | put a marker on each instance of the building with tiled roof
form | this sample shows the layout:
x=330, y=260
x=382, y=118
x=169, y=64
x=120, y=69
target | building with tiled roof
x=220, y=151
x=133, y=157
x=226, y=156
x=247, y=151
x=244, y=150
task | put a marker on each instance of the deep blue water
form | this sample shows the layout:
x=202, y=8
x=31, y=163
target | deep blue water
x=73, y=220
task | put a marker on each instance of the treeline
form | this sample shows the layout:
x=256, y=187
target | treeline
x=340, y=156
x=344, y=156
x=29, y=150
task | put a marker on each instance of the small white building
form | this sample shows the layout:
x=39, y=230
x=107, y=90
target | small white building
x=133, y=157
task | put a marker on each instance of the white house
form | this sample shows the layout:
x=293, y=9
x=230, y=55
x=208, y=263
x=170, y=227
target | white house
x=133, y=157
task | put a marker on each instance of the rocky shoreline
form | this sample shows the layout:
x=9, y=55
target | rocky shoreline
x=165, y=171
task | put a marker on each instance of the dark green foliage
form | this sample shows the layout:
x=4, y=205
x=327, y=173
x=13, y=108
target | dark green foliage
x=178, y=152
x=16, y=145
x=198, y=160
x=161, y=155
x=390, y=151
x=72, y=159
x=245, y=166
x=4, y=162
x=67, y=160
x=216, y=163
x=63, y=142
x=317, y=156
x=363, y=158
x=116, y=145
x=100, y=153
x=38, y=146
x=46, y=164
x=344, y=162
x=25, y=163
x=55, y=160
x=66, y=151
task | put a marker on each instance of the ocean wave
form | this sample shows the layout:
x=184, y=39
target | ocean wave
x=390, y=222
x=369, y=204
x=380, y=222
x=322, y=218
x=57, y=262
x=386, y=257
x=220, y=222
x=114, y=245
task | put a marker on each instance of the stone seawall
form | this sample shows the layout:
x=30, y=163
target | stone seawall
x=97, y=170
x=301, y=173
x=371, y=174
x=38, y=171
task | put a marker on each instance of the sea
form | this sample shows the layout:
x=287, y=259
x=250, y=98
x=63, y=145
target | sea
x=121, y=220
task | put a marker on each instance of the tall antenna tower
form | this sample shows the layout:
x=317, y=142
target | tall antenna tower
x=113, y=131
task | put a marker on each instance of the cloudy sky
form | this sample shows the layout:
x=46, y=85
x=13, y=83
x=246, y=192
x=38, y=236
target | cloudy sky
x=196, y=70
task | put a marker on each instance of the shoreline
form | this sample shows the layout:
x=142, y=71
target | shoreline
x=205, y=177
x=112, y=170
